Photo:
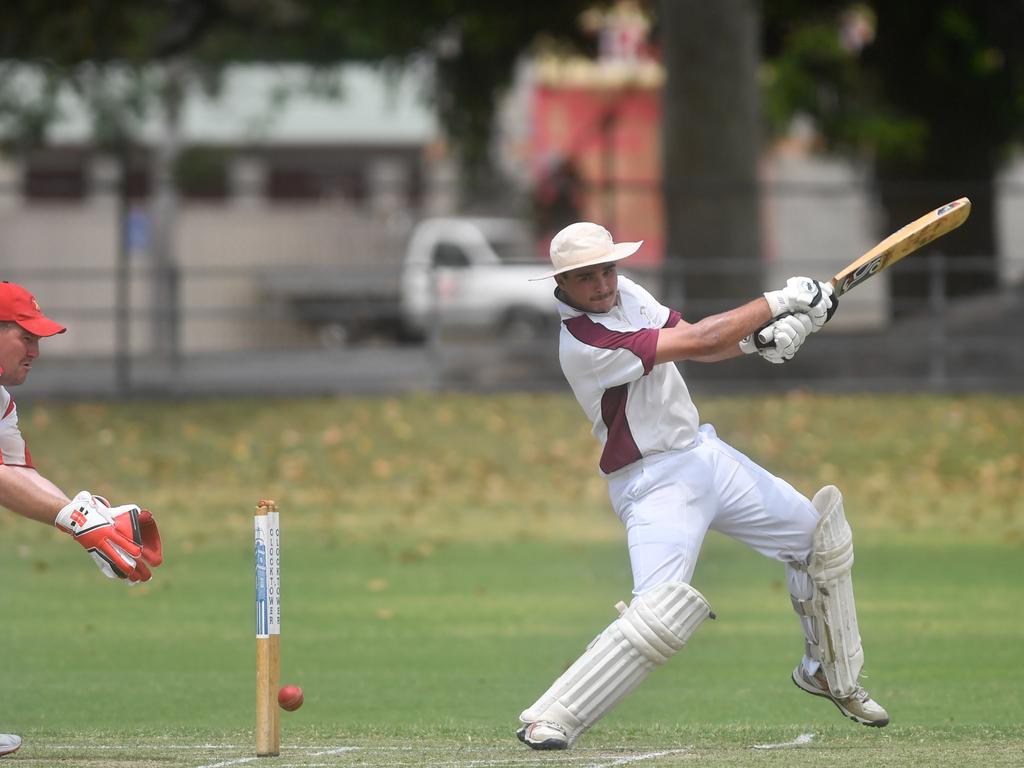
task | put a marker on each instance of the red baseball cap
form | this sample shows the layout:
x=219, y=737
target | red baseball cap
x=21, y=307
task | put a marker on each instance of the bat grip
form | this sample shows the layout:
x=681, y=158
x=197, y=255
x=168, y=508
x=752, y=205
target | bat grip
x=771, y=344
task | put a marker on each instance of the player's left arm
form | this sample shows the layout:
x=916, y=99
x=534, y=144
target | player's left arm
x=26, y=492
x=714, y=338
x=779, y=315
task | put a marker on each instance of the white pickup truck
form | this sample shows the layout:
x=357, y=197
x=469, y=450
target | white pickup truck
x=473, y=274
x=458, y=274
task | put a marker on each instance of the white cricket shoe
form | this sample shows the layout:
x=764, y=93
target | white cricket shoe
x=9, y=743
x=859, y=707
x=543, y=734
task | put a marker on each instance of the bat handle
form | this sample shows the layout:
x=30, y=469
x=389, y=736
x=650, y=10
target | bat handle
x=760, y=344
x=770, y=344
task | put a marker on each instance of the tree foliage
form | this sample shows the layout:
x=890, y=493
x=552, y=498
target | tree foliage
x=474, y=44
x=929, y=91
x=933, y=97
x=932, y=73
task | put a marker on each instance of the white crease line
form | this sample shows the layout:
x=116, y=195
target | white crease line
x=579, y=756
x=639, y=758
x=143, y=746
x=803, y=738
x=237, y=761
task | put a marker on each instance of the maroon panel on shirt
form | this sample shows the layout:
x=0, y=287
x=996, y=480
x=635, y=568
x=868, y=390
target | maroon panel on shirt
x=643, y=342
x=621, y=448
x=673, y=319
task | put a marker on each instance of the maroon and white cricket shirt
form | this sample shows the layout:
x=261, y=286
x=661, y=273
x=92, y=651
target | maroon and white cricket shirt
x=637, y=408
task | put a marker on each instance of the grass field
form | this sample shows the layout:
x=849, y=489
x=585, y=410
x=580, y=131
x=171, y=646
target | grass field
x=444, y=557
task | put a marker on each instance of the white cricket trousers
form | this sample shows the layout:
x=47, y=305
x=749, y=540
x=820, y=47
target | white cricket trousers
x=670, y=500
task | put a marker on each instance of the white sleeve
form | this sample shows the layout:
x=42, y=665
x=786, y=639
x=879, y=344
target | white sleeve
x=13, y=450
x=658, y=311
x=619, y=358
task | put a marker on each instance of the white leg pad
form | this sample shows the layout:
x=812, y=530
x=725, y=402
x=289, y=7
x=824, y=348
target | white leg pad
x=652, y=629
x=832, y=608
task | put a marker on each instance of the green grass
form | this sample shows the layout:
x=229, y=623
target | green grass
x=444, y=557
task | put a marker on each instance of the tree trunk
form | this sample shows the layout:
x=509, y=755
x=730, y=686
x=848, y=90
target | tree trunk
x=710, y=144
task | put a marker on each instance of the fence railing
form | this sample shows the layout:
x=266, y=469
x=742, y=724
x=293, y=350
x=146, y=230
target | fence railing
x=235, y=337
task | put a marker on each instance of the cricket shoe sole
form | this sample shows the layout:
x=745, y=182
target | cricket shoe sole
x=859, y=707
x=543, y=735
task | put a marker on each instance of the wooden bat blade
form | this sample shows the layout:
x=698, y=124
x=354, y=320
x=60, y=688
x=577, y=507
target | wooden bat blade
x=902, y=242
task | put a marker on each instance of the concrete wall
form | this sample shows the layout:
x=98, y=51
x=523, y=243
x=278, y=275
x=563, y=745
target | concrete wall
x=818, y=219
x=67, y=256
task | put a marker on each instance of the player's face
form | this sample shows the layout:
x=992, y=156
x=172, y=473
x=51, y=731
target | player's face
x=592, y=289
x=18, y=348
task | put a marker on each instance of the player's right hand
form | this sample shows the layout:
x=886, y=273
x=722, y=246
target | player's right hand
x=804, y=294
x=122, y=540
x=779, y=341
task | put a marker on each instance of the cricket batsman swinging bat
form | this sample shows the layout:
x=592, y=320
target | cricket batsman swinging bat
x=900, y=243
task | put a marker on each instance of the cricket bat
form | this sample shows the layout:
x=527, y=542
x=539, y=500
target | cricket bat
x=899, y=244
x=902, y=242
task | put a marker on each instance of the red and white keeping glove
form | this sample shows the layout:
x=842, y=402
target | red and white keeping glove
x=124, y=541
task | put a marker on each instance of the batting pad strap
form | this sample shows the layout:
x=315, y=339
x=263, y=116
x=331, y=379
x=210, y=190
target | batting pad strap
x=804, y=607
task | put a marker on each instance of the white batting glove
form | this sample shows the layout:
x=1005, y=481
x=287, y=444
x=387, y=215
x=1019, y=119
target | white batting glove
x=779, y=341
x=803, y=294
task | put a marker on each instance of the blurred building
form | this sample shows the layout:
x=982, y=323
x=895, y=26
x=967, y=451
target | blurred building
x=594, y=138
x=280, y=169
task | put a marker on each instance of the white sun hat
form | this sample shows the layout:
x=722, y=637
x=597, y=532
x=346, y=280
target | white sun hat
x=584, y=244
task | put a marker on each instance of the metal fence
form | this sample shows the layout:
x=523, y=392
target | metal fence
x=270, y=298
x=933, y=343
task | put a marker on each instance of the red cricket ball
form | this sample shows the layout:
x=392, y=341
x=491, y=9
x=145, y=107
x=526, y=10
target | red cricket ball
x=290, y=697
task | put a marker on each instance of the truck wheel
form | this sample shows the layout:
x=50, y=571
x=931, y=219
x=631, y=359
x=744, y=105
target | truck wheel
x=333, y=335
x=523, y=325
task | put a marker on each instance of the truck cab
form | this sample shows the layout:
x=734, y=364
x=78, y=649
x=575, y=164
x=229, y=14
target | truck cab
x=473, y=274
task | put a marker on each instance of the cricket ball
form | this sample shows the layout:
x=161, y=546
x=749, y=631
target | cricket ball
x=290, y=697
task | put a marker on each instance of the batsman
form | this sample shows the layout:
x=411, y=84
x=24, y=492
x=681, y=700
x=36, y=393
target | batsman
x=123, y=540
x=672, y=479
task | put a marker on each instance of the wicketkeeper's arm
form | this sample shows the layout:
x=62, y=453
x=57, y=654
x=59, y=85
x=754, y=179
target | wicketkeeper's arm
x=124, y=541
x=27, y=493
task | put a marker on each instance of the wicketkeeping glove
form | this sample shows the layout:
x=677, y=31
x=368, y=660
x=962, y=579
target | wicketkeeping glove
x=124, y=541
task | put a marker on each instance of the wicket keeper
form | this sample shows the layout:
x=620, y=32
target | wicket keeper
x=124, y=540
